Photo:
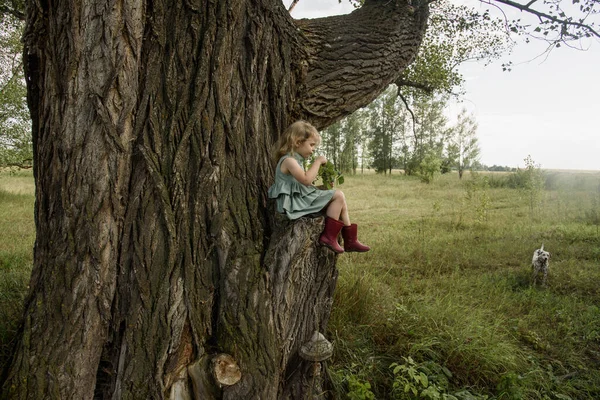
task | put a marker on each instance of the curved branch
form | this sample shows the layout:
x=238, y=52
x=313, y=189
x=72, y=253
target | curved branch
x=353, y=58
x=542, y=15
x=412, y=114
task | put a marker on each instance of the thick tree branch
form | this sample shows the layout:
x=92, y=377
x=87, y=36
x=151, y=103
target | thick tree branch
x=353, y=58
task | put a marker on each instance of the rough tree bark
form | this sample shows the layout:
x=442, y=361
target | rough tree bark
x=152, y=126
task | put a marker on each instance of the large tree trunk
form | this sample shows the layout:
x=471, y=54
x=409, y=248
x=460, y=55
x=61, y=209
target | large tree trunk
x=156, y=249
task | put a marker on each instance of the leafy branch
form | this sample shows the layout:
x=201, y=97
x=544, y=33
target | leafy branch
x=556, y=19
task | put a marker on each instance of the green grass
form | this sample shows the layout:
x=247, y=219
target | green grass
x=17, y=235
x=447, y=282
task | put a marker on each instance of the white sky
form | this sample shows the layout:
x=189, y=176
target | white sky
x=548, y=108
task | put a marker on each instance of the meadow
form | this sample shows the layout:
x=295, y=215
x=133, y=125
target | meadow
x=442, y=307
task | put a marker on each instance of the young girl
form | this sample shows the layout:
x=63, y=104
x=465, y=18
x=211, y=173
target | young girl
x=297, y=197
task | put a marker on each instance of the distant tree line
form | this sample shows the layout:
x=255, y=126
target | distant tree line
x=385, y=136
x=497, y=168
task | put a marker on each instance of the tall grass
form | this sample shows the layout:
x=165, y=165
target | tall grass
x=17, y=234
x=447, y=283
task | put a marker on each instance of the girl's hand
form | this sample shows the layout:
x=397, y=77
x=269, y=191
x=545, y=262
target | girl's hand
x=321, y=160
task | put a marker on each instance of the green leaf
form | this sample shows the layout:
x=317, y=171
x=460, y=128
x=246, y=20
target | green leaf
x=424, y=380
x=446, y=372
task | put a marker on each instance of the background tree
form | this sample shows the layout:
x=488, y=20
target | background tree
x=365, y=156
x=332, y=142
x=387, y=122
x=343, y=141
x=463, y=148
x=15, y=126
x=353, y=129
x=431, y=134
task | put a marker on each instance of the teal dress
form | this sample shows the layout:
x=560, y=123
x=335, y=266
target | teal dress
x=294, y=199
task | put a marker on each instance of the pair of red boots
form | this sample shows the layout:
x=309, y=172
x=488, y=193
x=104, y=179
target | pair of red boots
x=349, y=233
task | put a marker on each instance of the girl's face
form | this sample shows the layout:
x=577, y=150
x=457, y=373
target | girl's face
x=306, y=148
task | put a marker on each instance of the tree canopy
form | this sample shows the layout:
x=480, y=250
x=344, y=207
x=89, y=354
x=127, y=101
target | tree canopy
x=455, y=34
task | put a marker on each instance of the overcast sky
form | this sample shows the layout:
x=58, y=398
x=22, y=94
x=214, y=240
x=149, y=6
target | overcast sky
x=548, y=108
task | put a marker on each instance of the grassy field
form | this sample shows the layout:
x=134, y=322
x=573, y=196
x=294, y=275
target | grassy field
x=442, y=306
x=446, y=289
x=17, y=234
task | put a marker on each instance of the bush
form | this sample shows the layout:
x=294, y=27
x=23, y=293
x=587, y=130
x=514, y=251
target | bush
x=430, y=167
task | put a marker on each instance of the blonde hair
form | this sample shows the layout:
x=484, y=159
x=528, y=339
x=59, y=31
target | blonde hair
x=296, y=134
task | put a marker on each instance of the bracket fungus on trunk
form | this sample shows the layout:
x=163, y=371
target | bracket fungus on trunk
x=226, y=370
x=317, y=348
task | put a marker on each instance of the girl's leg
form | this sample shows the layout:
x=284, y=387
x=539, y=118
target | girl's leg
x=338, y=209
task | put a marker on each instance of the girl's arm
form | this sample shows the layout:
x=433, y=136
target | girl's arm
x=291, y=166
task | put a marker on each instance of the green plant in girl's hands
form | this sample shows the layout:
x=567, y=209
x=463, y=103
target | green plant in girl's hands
x=329, y=175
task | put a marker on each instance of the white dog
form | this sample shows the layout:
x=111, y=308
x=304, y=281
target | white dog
x=540, y=263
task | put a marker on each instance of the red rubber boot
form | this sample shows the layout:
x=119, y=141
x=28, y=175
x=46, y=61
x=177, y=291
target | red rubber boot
x=330, y=233
x=351, y=243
